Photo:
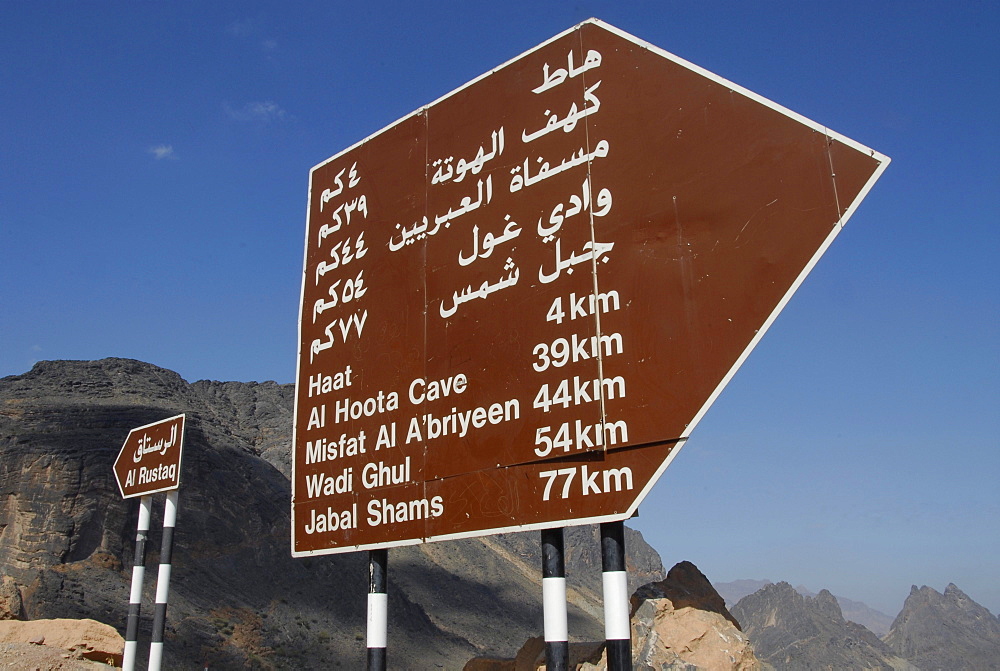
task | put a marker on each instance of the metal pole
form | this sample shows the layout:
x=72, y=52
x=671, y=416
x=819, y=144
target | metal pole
x=163, y=581
x=138, y=573
x=616, y=607
x=378, y=609
x=554, y=600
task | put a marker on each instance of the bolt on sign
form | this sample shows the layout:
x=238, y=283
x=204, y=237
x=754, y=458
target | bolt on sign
x=518, y=301
x=150, y=460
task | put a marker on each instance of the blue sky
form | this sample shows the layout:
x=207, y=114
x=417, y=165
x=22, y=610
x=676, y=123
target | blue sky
x=154, y=160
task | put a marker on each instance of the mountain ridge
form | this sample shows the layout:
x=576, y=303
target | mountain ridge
x=791, y=631
x=853, y=611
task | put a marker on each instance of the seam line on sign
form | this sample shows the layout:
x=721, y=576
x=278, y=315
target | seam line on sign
x=833, y=177
x=427, y=308
x=595, y=286
x=592, y=455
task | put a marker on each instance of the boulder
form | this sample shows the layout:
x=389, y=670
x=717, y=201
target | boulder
x=682, y=622
x=665, y=636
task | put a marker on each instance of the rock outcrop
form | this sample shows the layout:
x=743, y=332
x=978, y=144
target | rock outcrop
x=945, y=631
x=682, y=620
x=792, y=631
x=237, y=598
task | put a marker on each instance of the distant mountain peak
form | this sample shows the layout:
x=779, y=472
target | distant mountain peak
x=945, y=630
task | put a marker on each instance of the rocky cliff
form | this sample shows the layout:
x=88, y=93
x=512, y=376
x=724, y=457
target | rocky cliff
x=792, y=631
x=945, y=631
x=237, y=598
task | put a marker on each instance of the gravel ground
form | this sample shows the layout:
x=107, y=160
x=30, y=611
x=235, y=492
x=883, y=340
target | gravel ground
x=30, y=657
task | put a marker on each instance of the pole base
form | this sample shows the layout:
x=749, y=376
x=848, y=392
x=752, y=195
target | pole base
x=556, y=655
x=376, y=659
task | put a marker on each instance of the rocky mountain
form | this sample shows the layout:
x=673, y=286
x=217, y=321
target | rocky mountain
x=792, y=631
x=237, y=598
x=945, y=631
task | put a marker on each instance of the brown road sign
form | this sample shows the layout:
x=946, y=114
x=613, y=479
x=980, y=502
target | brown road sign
x=150, y=459
x=518, y=301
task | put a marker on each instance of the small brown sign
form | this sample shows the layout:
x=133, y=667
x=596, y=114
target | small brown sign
x=518, y=301
x=150, y=459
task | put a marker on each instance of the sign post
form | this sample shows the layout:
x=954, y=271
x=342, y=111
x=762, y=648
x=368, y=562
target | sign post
x=150, y=462
x=519, y=300
x=378, y=609
x=135, y=593
x=556, y=627
x=617, y=628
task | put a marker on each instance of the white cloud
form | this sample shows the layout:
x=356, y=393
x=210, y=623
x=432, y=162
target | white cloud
x=241, y=28
x=264, y=111
x=250, y=29
x=162, y=151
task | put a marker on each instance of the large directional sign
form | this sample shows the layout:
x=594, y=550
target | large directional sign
x=150, y=460
x=518, y=301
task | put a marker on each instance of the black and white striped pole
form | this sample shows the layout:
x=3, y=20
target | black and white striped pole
x=138, y=574
x=616, y=607
x=163, y=582
x=378, y=609
x=554, y=600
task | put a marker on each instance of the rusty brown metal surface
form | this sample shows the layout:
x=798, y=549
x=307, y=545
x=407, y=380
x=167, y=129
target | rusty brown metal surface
x=150, y=459
x=518, y=301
